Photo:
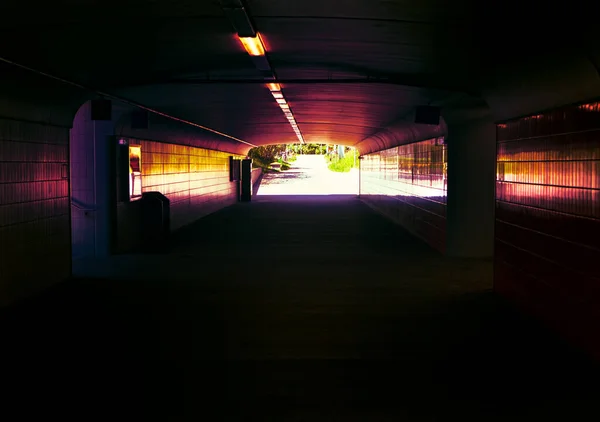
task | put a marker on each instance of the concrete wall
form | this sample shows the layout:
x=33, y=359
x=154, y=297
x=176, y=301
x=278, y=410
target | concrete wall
x=257, y=174
x=470, y=212
x=408, y=185
x=83, y=186
x=35, y=242
x=90, y=161
x=441, y=192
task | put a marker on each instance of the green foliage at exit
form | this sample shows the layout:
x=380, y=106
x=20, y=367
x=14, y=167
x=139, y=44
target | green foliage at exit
x=344, y=164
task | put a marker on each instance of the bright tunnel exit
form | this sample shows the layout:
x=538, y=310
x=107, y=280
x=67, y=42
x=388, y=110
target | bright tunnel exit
x=307, y=169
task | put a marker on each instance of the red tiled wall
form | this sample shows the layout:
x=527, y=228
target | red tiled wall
x=35, y=239
x=408, y=184
x=547, y=245
x=195, y=180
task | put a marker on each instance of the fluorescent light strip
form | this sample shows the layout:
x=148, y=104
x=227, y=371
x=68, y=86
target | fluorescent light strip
x=253, y=45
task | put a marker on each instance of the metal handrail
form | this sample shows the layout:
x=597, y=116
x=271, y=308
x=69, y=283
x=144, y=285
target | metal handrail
x=79, y=207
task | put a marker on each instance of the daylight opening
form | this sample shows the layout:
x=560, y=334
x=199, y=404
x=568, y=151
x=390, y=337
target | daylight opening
x=306, y=169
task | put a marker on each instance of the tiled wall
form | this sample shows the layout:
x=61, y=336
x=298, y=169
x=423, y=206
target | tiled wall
x=547, y=246
x=257, y=174
x=195, y=180
x=408, y=184
x=35, y=243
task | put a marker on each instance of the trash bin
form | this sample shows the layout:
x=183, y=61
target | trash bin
x=156, y=221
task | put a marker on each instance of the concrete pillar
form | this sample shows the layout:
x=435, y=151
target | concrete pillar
x=471, y=189
x=103, y=135
x=91, y=189
x=82, y=185
x=246, y=180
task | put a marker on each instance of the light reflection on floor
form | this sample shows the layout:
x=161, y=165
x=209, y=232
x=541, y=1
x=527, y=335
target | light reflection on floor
x=309, y=175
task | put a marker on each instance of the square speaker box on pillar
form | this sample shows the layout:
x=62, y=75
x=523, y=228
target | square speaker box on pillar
x=139, y=119
x=428, y=115
x=101, y=109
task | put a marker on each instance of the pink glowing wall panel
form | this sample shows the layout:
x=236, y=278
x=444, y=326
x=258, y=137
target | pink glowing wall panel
x=547, y=240
x=34, y=208
x=408, y=184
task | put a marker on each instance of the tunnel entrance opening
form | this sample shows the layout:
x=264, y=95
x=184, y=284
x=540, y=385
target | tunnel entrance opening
x=307, y=169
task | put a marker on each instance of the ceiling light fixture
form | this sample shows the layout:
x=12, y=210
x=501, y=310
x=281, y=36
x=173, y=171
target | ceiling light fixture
x=253, y=45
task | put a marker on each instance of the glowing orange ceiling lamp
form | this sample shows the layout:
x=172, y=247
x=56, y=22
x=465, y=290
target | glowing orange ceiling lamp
x=253, y=45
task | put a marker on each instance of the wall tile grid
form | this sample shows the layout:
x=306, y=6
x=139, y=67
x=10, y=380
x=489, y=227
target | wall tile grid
x=408, y=184
x=34, y=207
x=195, y=180
x=547, y=241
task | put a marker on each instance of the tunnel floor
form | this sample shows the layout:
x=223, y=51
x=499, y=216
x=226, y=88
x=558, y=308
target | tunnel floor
x=289, y=309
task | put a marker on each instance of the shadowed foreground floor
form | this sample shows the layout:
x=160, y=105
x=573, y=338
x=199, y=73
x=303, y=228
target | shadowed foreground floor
x=289, y=309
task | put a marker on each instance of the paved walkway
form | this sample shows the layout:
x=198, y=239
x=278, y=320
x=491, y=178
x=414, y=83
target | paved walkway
x=309, y=175
x=296, y=308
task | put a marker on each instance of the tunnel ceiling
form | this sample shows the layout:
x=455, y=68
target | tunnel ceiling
x=175, y=55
